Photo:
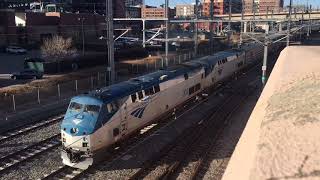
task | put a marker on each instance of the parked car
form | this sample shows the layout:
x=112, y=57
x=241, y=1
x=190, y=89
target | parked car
x=15, y=50
x=27, y=74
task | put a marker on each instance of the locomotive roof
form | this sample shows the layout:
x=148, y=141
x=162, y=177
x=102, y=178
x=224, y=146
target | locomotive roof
x=122, y=89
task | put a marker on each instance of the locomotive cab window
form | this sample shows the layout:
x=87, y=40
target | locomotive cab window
x=112, y=107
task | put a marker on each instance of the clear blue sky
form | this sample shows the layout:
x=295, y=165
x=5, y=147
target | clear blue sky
x=314, y=3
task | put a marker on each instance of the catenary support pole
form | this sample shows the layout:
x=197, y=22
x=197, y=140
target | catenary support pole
x=109, y=19
x=229, y=23
x=241, y=27
x=265, y=57
x=144, y=33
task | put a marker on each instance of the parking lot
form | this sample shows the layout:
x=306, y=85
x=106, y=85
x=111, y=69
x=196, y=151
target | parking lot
x=10, y=63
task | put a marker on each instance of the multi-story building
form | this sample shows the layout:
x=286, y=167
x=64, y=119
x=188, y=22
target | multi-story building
x=262, y=6
x=185, y=10
x=155, y=12
x=129, y=3
x=221, y=7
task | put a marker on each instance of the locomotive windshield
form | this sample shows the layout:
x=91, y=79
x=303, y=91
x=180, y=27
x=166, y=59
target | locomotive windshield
x=92, y=109
x=75, y=106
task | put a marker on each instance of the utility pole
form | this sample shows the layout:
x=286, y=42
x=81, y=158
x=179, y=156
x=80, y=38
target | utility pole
x=109, y=19
x=265, y=57
x=211, y=26
x=167, y=30
x=196, y=29
x=289, y=24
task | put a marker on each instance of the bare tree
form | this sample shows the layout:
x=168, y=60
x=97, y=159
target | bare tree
x=57, y=48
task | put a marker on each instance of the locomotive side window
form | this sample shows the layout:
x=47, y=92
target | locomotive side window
x=133, y=97
x=92, y=109
x=191, y=90
x=156, y=88
x=140, y=94
x=114, y=107
x=109, y=107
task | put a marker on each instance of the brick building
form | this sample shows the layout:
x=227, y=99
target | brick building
x=155, y=12
x=221, y=7
x=8, y=27
x=262, y=6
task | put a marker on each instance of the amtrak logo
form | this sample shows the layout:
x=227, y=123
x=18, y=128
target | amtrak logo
x=139, y=112
x=77, y=121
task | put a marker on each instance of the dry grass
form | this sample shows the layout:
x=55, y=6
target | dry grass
x=48, y=81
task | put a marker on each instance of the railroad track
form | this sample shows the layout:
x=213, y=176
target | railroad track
x=29, y=128
x=196, y=142
x=14, y=159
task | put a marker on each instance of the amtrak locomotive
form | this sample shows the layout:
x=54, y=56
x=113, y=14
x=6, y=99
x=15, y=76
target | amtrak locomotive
x=98, y=119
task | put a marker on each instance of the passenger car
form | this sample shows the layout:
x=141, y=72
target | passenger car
x=15, y=50
x=27, y=74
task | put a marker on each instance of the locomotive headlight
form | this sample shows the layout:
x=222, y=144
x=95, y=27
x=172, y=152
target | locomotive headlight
x=85, y=139
x=63, y=139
